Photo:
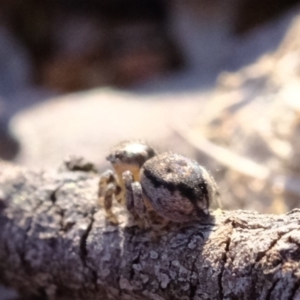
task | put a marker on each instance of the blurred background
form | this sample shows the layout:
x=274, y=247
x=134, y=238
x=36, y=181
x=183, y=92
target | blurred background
x=213, y=80
x=218, y=81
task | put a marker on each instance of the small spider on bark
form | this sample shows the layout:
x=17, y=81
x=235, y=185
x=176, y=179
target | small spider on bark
x=156, y=188
x=125, y=156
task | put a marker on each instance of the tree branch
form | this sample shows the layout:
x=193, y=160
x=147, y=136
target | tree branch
x=54, y=241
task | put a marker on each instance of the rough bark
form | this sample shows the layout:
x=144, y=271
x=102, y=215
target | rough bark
x=54, y=241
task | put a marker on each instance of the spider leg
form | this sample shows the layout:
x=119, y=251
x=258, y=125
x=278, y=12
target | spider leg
x=107, y=189
x=119, y=195
x=139, y=205
x=128, y=180
x=134, y=200
x=106, y=178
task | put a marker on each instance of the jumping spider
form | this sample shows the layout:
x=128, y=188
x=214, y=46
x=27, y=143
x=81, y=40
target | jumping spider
x=126, y=156
x=156, y=188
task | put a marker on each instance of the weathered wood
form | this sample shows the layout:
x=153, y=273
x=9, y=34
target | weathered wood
x=54, y=241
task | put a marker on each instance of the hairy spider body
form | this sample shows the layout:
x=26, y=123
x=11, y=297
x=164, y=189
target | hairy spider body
x=178, y=188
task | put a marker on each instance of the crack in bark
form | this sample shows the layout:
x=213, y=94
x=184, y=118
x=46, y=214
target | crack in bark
x=84, y=251
x=53, y=197
x=224, y=259
x=193, y=291
x=120, y=293
x=294, y=291
x=238, y=223
x=261, y=255
x=259, y=258
x=272, y=288
x=135, y=261
x=61, y=212
x=193, y=286
x=3, y=205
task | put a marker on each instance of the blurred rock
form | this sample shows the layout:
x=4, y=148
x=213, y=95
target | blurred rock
x=88, y=124
x=255, y=113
